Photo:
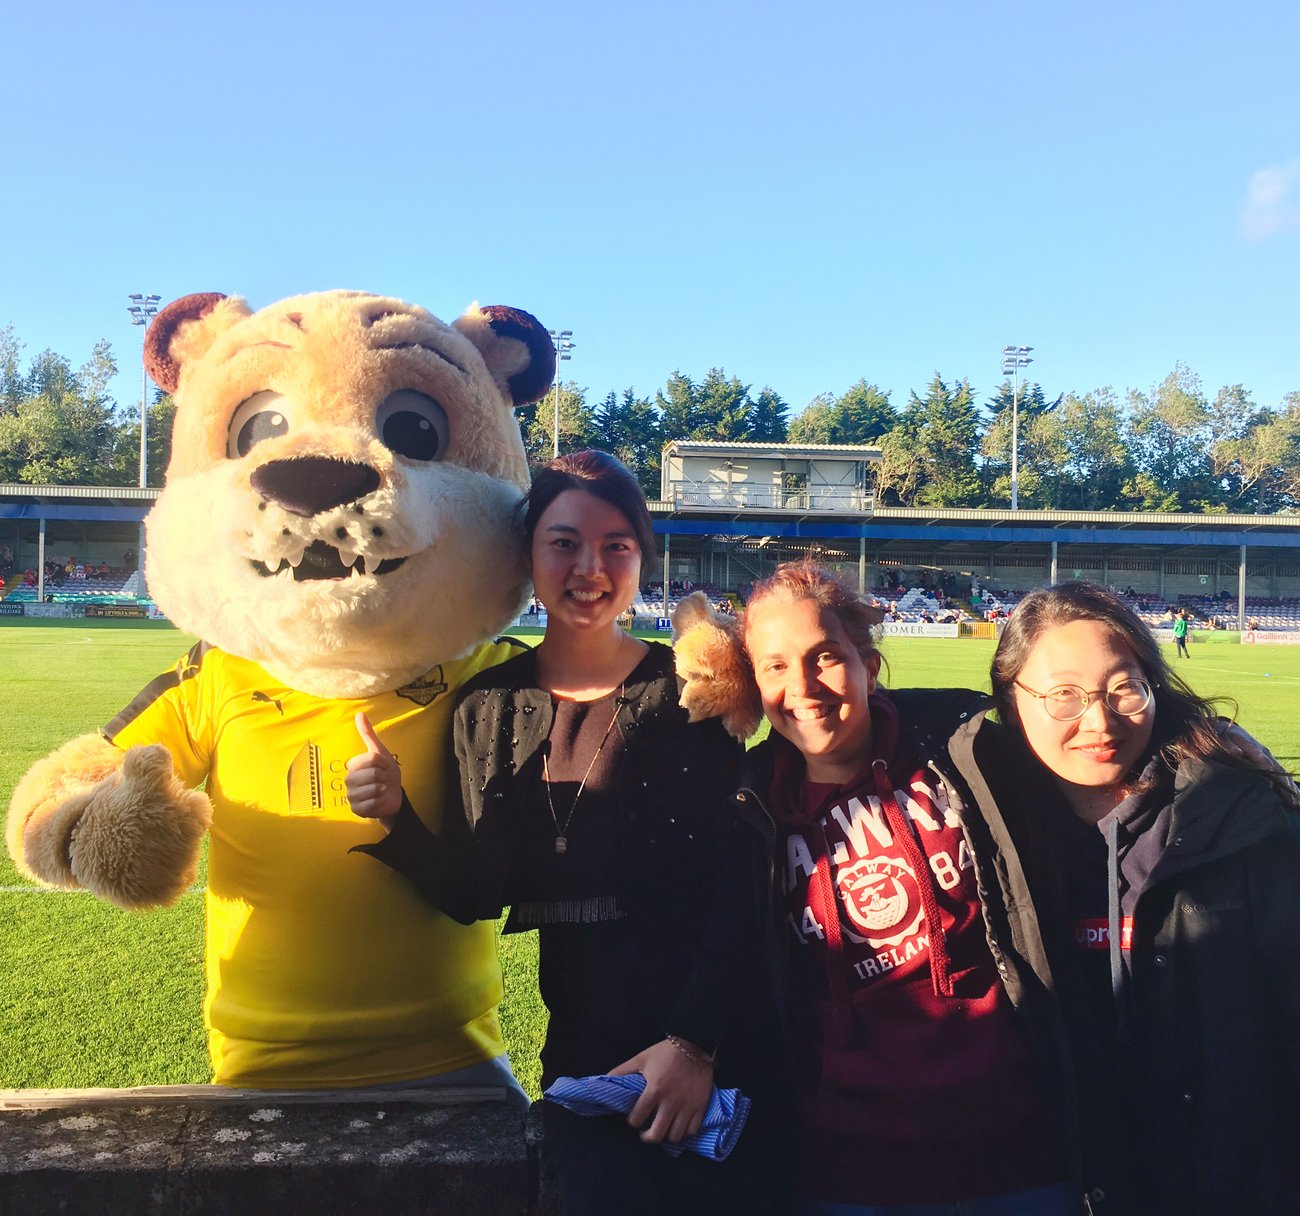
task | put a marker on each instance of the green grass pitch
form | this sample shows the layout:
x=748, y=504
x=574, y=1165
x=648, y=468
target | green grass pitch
x=95, y=996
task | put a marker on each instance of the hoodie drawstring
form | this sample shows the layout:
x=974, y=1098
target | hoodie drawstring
x=1115, y=927
x=821, y=892
x=940, y=973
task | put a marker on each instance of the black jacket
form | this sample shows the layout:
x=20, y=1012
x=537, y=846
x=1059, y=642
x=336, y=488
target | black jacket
x=1209, y=1009
x=681, y=957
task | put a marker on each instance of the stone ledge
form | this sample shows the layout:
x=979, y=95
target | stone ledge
x=204, y=1150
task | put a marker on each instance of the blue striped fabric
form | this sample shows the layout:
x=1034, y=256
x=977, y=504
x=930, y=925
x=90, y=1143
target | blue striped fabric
x=723, y=1121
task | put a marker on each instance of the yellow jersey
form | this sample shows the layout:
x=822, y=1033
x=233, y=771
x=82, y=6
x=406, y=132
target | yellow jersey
x=324, y=968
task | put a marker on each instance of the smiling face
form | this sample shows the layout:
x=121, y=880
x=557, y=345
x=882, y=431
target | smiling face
x=586, y=564
x=814, y=684
x=1092, y=756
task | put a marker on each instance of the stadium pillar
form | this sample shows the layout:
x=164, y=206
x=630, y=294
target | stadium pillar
x=1053, y=575
x=40, y=561
x=668, y=552
x=1241, y=589
x=862, y=565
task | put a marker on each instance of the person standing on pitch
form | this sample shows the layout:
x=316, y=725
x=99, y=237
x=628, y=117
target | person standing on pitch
x=1180, y=633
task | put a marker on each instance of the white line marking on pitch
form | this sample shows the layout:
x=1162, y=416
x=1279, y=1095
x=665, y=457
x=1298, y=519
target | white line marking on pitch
x=1239, y=674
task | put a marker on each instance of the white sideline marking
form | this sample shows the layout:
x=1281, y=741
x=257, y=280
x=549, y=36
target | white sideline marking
x=1233, y=671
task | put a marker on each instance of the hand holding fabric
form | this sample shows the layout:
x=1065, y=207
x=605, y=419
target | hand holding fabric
x=676, y=1093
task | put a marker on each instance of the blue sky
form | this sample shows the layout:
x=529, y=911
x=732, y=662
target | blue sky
x=801, y=197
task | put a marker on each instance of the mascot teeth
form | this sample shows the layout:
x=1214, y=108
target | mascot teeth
x=322, y=561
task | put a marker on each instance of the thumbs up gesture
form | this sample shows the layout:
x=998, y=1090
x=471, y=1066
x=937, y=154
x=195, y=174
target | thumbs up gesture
x=374, y=780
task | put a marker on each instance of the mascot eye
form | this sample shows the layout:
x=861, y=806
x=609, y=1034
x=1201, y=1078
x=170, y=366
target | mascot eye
x=412, y=425
x=260, y=417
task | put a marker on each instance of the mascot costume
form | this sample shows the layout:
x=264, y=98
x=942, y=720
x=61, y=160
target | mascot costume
x=337, y=527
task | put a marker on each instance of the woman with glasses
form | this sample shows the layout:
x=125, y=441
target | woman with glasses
x=1179, y=869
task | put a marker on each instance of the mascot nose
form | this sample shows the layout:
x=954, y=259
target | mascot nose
x=309, y=485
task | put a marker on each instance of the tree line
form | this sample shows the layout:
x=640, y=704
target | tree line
x=1172, y=448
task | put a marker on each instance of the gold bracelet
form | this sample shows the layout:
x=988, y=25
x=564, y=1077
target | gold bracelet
x=692, y=1053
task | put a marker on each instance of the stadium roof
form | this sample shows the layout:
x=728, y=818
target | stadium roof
x=1123, y=520
x=21, y=490
x=797, y=451
x=947, y=526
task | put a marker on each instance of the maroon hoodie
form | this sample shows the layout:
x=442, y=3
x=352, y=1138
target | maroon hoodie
x=919, y=1084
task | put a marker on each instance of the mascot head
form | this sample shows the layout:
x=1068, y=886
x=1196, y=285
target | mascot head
x=343, y=477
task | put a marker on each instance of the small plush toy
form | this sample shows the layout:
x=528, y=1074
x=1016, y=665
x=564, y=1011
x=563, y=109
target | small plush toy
x=717, y=680
x=337, y=527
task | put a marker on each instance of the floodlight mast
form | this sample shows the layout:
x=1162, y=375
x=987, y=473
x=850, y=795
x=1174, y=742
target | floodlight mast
x=562, y=340
x=1013, y=359
x=143, y=309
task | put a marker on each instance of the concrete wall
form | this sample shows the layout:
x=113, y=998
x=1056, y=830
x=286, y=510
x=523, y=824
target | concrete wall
x=204, y=1151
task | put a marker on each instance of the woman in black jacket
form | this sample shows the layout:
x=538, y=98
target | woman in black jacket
x=599, y=816
x=1180, y=865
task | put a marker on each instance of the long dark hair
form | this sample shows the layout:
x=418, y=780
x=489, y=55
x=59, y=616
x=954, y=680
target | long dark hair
x=1186, y=725
x=601, y=475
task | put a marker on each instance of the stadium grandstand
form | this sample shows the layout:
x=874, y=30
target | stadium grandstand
x=728, y=513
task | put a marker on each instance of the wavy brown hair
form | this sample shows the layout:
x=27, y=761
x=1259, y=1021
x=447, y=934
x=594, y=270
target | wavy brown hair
x=806, y=580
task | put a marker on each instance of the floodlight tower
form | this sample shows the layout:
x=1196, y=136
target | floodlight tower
x=562, y=340
x=143, y=309
x=1013, y=359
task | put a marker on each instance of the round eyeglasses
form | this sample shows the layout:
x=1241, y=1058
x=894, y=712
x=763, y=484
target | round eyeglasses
x=1069, y=702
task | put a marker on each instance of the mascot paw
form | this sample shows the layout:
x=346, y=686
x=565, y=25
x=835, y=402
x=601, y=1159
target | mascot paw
x=717, y=680
x=136, y=841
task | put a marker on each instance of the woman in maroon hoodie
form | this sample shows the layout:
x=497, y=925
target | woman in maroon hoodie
x=927, y=1050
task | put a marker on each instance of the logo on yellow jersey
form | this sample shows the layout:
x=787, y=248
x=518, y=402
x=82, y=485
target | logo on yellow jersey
x=426, y=689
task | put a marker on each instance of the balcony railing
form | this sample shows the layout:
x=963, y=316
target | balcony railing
x=719, y=496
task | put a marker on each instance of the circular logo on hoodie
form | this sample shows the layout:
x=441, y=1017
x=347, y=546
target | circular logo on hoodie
x=881, y=898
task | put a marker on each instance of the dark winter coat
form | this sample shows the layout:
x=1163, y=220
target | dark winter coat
x=1208, y=1008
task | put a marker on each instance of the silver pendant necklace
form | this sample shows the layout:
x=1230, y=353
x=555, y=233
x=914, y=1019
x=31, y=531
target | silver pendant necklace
x=562, y=833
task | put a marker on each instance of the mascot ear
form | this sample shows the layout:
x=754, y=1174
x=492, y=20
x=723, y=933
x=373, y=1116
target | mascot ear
x=714, y=674
x=184, y=331
x=516, y=348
